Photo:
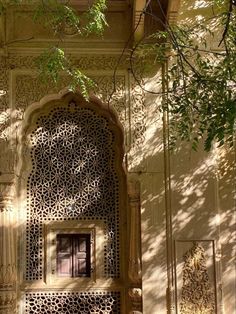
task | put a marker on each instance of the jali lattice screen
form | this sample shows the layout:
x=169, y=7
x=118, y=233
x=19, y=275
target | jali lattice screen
x=73, y=177
x=72, y=303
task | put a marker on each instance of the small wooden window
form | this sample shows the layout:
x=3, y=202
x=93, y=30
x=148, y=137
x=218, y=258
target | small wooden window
x=73, y=255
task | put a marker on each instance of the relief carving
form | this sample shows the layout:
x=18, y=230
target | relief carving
x=6, y=197
x=7, y=157
x=4, y=111
x=28, y=89
x=138, y=114
x=118, y=101
x=197, y=294
x=3, y=86
x=7, y=302
x=101, y=62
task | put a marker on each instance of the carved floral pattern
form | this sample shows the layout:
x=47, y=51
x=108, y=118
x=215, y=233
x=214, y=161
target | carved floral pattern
x=197, y=294
x=4, y=101
x=29, y=89
x=128, y=101
x=138, y=114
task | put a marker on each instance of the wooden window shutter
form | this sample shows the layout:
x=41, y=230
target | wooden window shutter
x=82, y=262
x=73, y=255
x=64, y=255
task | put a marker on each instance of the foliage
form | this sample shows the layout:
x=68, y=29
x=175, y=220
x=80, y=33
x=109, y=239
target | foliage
x=56, y=15
x=201, y=97
x=60, y=17
x=96, y=18
x=201, y=82
x=52, y=62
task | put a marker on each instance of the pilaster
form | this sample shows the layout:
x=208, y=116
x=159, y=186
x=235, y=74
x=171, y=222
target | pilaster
x=7, y=249
x=134, y=271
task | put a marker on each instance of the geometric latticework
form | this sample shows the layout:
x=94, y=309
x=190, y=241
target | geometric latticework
x=197, y=294
x=73, y=177
x=72, y=303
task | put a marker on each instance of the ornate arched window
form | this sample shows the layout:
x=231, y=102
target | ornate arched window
x=75, y=192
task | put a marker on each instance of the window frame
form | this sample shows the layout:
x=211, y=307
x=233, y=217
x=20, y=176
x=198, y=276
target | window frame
x=97, y=241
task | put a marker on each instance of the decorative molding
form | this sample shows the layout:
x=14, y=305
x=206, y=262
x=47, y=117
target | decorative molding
x=29, y=89
x=6, y=196
x=88, y=62
x=4, y=84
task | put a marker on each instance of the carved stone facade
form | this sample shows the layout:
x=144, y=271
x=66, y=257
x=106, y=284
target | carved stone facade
x=146, y=260
x=25, y=89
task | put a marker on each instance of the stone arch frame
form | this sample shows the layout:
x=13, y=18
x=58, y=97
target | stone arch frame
x=24, y=165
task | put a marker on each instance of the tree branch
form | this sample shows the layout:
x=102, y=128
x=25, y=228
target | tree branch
x=229, y=14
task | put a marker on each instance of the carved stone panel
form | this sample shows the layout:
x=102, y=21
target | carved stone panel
x=195, y=277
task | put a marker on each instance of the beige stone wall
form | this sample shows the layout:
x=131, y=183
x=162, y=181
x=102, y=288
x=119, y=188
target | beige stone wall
x=200, y=205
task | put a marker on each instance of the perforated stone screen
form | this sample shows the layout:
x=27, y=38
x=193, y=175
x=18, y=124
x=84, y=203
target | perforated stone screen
x=73, y=177
x=72, y=303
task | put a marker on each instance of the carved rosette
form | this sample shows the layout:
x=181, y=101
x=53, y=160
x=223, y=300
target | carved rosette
x=197, y=293
x=7, y=249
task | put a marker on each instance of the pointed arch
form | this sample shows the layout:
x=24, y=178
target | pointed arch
x=71, y=169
